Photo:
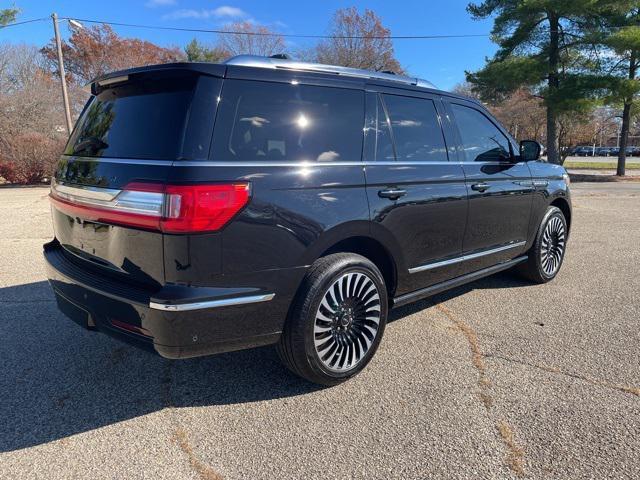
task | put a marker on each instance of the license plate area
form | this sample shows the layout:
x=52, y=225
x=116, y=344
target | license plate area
x=74, y=312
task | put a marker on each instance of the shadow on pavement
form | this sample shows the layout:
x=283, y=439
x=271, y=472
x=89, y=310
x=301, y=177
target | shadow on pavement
x=506, y=279
x=59, y=380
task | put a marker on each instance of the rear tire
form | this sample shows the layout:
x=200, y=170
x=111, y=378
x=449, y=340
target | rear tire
x=547, y=252
x=336, y=321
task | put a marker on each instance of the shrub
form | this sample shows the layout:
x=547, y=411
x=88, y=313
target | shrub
x=29, y=158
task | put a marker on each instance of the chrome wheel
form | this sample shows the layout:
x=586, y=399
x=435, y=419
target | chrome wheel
x=553, y=244
x=347, y=321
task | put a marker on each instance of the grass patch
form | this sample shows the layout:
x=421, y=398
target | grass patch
x=599, y=165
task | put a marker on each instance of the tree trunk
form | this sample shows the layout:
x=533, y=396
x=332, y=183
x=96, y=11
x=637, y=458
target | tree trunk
x=624, y=139
x=553, y=149
x=626, y=120
x=553, y=153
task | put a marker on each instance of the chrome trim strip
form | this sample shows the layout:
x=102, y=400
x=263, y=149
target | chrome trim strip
x=136, y=161
x=293, y=163
x=464, y=258
x=226, y=302
x=85, y=192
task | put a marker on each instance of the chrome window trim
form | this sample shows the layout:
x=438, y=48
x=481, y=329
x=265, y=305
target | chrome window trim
x=464, y=258
x=292, y=163
x=225, y=302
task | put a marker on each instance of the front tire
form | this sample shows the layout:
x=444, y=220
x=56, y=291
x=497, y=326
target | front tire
x=547, y=252
x=337, y=320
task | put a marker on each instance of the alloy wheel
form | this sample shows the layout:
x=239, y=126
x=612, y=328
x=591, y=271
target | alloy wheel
x=347, y=321
x=553, y=244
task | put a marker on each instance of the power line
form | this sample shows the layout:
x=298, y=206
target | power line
x=269, y=34
x=14, y=24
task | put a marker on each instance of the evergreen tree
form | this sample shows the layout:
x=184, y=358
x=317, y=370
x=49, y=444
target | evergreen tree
x=621, y=37
x=541, y=47
x=8, y=15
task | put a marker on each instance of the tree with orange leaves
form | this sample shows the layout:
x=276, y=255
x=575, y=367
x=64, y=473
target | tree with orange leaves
x=94, y=51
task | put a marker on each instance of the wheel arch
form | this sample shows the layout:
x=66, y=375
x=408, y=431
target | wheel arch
x=563, y=205
x=373, y=250
x=362, y=238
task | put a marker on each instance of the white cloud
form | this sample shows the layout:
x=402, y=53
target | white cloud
x=160, y=3
x=228, y=12
x=223, y=12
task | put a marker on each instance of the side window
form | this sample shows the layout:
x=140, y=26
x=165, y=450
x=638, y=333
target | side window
x=416, y=130
x=481, y=139
x=384, y=146
x=261, y=121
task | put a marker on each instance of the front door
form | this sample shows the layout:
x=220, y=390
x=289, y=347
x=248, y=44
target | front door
x=417, y=197
x=499, y=189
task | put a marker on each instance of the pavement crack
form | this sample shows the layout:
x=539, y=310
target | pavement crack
x=515, y=453
x=204, y=471
x=180, y=435
x=585, y=378
x=477, y=357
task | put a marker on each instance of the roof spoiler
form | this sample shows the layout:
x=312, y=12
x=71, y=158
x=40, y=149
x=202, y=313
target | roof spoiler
x=121, y=76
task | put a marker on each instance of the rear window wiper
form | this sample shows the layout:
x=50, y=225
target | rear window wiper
x=88, y=144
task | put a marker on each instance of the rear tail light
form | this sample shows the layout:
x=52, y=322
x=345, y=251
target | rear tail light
x=167, y=208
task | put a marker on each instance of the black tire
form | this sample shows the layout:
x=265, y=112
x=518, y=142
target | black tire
x=536, y=268
x=351, y=318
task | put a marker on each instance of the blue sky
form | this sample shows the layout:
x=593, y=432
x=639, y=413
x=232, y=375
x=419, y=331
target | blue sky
x=442, y=61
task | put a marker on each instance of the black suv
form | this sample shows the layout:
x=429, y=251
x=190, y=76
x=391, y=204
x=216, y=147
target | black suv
x=201, y=208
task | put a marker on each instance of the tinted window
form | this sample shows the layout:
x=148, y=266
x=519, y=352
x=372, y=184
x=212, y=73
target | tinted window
x=384, y=147
x=481, y=139
x=260, y=121
x=416, y=129
x=140, y=119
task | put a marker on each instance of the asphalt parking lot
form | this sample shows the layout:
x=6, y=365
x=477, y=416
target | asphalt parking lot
x=498, y=379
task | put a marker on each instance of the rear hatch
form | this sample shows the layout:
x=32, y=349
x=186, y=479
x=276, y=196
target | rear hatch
x=109, y=193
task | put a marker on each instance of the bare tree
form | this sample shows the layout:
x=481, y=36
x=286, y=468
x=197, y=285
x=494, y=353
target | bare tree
x=466, y=89
x=31, y=117
x=254, y=40
x=26, y=99
x=358, y=40
x=523, y=114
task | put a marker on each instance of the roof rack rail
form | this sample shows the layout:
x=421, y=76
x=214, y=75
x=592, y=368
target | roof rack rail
x=275, y=62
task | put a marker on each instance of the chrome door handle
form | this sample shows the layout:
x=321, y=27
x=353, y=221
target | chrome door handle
x=480, y=187
x=392, y=193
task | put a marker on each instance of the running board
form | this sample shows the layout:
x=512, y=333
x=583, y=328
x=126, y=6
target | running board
x=455, y=282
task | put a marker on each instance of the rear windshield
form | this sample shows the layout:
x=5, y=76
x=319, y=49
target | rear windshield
x=143, y=118
x=262, y=121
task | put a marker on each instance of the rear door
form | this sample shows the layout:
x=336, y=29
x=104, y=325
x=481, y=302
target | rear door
x=499, y=186
x=417, y=196
x=119, y=156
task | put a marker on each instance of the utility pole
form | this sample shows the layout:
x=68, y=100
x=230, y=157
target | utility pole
x=63, y=79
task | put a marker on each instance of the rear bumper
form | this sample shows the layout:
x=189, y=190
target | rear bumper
x=175, y=321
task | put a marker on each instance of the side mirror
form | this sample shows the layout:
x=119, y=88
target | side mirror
x=530, y=150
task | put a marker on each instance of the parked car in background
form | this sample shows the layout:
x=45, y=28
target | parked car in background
x=614, y=151
x=583, y=151
x=603, y=151
x=200, y=208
